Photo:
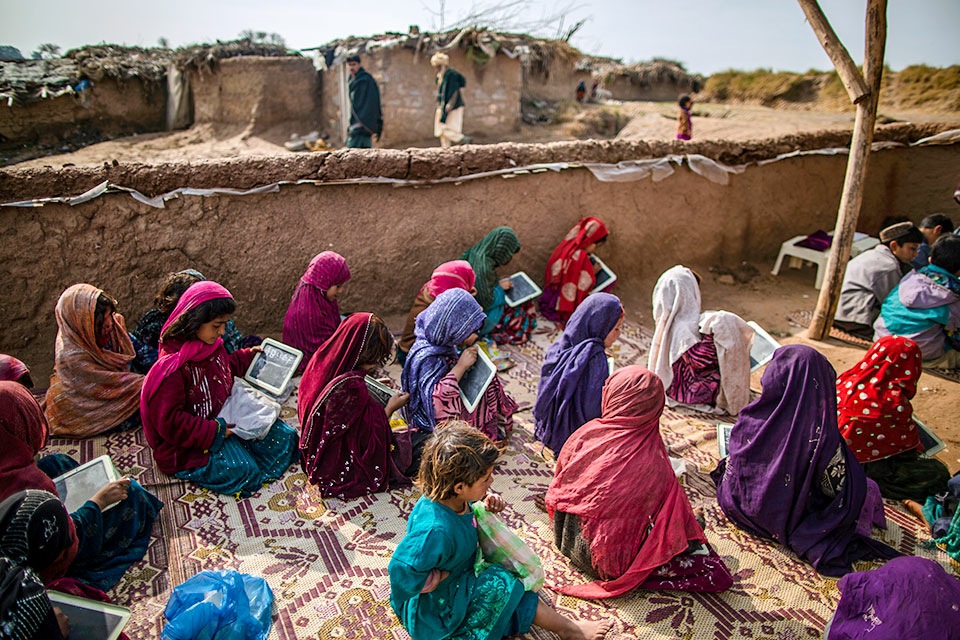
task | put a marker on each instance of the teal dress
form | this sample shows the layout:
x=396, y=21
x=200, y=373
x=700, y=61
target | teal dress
x=488, y=605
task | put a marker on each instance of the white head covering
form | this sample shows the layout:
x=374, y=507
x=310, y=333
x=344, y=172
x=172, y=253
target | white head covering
x=676, y=316
x=733, y=339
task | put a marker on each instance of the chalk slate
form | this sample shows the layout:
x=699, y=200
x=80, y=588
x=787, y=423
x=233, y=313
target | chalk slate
x=475, y=381
x=89, y=618
x=379, y=391
x=763, y=346
x=273, y=368
x=604, y=276
x=523, y=289
x=78, y=485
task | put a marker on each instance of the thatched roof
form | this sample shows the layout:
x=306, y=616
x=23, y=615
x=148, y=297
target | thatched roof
x=653, y=73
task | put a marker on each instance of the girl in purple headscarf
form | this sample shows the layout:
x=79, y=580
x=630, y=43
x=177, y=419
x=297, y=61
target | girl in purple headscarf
x=314, y=314
x=573, y=373
x=791, y=477
x=433, y=369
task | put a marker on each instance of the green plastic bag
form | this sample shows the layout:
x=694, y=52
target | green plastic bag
x=500, y=545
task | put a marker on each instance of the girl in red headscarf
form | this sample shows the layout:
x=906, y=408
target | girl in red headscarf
x=345, y=442
x=314, y=313
x=876, y=420
x=456, y=274
x=570, y=274
x=619, y=514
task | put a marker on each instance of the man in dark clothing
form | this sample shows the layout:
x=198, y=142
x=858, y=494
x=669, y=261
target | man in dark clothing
x=448, y=123
x=366, y=119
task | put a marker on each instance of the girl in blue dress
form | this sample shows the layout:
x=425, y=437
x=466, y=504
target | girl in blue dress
x=434, y=588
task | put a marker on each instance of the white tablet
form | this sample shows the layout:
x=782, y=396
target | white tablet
x=89, y=618
x=723, y=437
x=605, y=277
x=475, y=381
x=932, y=445
x=523, y=289
x=763, y=347
x=379, y=391
x=78, y=485
x=272, y=368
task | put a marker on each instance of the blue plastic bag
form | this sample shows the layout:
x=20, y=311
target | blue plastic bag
x=219, y=605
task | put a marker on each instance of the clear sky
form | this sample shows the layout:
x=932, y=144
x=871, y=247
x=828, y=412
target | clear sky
x=706, y=35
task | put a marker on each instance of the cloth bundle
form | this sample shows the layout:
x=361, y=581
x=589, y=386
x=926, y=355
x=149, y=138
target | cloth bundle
x=250, y=411
x=500, y=545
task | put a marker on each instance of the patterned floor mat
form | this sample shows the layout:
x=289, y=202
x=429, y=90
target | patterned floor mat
x=326, y=560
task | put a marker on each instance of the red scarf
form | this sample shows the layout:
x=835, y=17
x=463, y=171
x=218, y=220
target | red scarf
x=873, y=400
x=569, y=268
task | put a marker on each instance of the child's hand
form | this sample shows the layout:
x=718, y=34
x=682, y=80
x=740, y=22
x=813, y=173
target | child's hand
x=506, y=284
x=467, y=358
x=256, y=349
x=396, y=401
x=111, y=493
x=494, y=503
x=435, y=578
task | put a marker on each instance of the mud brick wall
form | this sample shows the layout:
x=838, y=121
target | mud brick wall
x=258, y=246
x=558, y=82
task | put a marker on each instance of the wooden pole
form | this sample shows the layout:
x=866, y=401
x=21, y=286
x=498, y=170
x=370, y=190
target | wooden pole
x=849, y=74
x=854, y=181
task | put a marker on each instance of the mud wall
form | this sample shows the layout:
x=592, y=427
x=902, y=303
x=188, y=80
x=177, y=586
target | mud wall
x=559, y=82
x=108, y=109
x=258, y=246
x=408, y=96
x=622, y=88
x=258, y=92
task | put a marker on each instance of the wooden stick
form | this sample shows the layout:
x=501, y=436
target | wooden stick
x=855, y=180
x=849, y=74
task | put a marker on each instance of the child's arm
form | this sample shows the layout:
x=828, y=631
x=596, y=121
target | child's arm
x=494, y=503
x=414, y=562
x=240, y=360
x=436, y=577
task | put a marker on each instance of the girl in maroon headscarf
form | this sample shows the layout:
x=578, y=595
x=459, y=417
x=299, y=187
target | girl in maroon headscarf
x=314, y=314
x=345, y=444
x=622, y=534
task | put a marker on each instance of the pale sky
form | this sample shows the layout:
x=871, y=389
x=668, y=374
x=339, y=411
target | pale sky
x=706, y=35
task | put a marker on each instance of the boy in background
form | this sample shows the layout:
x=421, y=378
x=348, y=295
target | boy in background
x=932, y=227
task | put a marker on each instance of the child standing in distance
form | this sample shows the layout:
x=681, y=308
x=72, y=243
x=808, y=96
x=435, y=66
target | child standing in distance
x=433, y=587
x=684, y=124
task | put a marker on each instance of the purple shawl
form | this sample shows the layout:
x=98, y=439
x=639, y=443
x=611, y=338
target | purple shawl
x=447, y=322
x=312, y=318
x=905, y=598
x=573, y=373
x=779, y=449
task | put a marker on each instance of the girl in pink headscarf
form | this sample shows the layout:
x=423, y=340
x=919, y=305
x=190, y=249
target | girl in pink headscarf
x=457, y=274
x=314, y=314
x=185, y=391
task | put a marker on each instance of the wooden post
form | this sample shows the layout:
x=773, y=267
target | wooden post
x=854, y=181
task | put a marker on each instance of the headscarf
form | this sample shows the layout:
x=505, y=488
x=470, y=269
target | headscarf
x=569, y=267
x=573, y=373
x=779, y=449
x=905, y=598
x=92, y=389
x=311, y=317
x=12, y=369
x=24, y=604
x=873, y=399
x=615, y=476
x=174, y=353
x=450, y=320
x=456, y=274
x=345, y=441
x=495, y=250
x=679, y=325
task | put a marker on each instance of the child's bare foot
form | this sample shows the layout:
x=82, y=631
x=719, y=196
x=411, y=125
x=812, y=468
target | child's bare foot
x=587, y=630
x=916, y=509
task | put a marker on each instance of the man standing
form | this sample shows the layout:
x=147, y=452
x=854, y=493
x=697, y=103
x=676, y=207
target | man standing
x=366, y=119
x=448, y=125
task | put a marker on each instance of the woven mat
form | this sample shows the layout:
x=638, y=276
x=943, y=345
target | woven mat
x=326, y=560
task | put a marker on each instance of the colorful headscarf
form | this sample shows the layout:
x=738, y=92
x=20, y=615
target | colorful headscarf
x=615, y=476
x=569, y=267
x=873, y=400
x=780, y=448
x=574, y=370
x=23, y=600
x=312, y=318
x=174, y=353
x=495, y=250
x=450, y=320
x=905, y=598
x=12, y=369
x=456, y=274
x=92, y=389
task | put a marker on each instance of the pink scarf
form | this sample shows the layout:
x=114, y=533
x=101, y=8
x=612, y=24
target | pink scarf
x=457, y=274
x=174, y=353
x=311, y=317
x=11, y=369
x=614, y=474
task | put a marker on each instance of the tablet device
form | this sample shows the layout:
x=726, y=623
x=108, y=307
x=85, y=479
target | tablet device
x=379, y=391
x=723, y=437
x=272, y=368
x=605, y=277
x=78, y=485
x=523, y=289
x=475, y=381
x=89, y=618
x=763, y=347
x=932, y=445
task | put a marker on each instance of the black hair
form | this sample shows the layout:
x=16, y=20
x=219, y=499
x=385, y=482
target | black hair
x=173, y=287
x=185, y=327
x=602, y=240
x=913, y=235
x=946, y=253
x=378, y=346
x=683, y=101
x=105, y=303
x=353, y=58
x=937, y=220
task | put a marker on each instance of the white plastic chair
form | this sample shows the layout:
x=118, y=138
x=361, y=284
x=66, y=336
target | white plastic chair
x=861, y=242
